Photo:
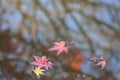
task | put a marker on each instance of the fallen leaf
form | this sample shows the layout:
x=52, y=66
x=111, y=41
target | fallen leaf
x=59, y=46
x=38, y=71
x=37, y=62
x=42, y=62
x=102, y=64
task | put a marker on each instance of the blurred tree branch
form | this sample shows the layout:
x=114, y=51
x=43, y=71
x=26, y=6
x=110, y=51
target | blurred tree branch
x=82, y=31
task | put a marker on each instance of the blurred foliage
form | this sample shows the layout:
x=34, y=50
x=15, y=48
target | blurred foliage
x=29, y=27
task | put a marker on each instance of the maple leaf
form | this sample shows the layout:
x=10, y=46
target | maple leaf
x=102, y=64
x=59, y=46
x=38, y=61
x=38, y=71
x=46, y=63
x=102, y=61
x=44, y=59
x=42, y=62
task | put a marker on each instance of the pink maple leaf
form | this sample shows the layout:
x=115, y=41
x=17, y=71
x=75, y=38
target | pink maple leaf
x=44, y=59
x=46, y=63
x=102, y=64
x=42, y=62
x=37, y=62
x=59, y=46
x=102, y=61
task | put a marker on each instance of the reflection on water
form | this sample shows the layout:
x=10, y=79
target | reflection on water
x=29, y=27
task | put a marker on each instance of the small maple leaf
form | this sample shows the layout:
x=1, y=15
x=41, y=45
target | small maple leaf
x=102, y=61
x=37, y=62
x=59, y=46
x=46, y=63
x=42, y=62
x=38, y=71
x=44, y=59
x=102, y=64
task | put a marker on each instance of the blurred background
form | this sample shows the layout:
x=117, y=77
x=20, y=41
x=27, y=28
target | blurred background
x=29, y=27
